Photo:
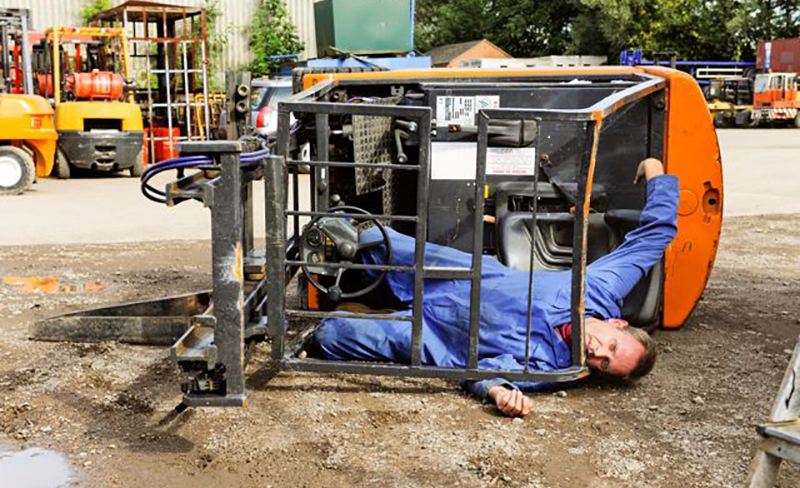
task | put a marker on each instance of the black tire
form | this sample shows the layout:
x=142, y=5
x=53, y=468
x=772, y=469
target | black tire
x=797, y=120
x=17, y=170
x=745, y=119
x=138, y=165
x=61, y=168
x=720, y=122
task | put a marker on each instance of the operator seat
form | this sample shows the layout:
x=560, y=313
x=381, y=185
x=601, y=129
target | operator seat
x=605, y=232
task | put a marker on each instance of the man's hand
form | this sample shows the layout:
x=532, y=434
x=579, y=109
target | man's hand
x=511, y=402
x=648, y=168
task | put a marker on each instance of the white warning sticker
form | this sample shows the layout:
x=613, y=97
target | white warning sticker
x=483, y=102
x=514, y=161
x=461, y=110
x=453, y=160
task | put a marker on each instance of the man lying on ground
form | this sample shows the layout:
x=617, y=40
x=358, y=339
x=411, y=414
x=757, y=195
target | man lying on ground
x=612, y=346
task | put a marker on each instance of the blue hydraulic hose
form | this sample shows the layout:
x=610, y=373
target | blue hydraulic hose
x=185, y=162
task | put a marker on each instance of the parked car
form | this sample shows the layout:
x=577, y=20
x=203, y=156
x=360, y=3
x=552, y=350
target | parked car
x=264, y=97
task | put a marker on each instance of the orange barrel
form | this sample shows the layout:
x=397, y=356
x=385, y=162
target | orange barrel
x=164, y=148
x=96, y=85
x=45, y=83
x=146, y=147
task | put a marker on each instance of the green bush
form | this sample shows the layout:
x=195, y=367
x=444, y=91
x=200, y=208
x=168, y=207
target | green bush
x=271, y=33
x=91, y=8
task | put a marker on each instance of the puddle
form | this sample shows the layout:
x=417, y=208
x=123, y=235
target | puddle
x=33, y=468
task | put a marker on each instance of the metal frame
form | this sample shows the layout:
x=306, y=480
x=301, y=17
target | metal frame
x=16, y=21
x=58, y=34
x=135, y=20
x=249, y=294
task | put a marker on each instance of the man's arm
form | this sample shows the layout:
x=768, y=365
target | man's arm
x=505, y=395
x=620, y=270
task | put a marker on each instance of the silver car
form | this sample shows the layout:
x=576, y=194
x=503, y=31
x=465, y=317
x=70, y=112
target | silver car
x=264, y=97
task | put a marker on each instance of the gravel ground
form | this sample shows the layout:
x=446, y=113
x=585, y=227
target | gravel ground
x=107, y=406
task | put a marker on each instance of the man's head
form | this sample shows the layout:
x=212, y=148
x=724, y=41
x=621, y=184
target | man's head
x=614, y=348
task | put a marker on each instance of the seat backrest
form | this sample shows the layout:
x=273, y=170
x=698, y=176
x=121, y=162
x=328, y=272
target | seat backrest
x=642, y=306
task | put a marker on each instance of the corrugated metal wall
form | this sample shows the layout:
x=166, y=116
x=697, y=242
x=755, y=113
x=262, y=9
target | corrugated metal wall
x=236, y=15
x=47, y=13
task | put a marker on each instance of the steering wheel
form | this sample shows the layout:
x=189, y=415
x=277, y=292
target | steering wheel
x=343, y=236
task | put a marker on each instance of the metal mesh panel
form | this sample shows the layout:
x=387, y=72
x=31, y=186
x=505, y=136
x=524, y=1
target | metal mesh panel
x=373, y=143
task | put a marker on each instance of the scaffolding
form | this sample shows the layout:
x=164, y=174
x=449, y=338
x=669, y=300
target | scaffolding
x=169, y=68
x=15, y=24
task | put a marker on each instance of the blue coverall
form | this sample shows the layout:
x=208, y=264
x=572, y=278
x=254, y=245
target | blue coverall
x=504, y=291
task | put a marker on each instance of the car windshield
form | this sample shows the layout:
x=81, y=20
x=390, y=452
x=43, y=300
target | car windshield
x=256, y=95
x=279, y=94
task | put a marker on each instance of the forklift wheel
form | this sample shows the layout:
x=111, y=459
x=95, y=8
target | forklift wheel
x=17, y=170
x=746, y=120
x=138, y=166
x=797, y=120
x=62, y=165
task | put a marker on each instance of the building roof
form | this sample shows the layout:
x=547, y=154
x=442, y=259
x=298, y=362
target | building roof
x=444, y=54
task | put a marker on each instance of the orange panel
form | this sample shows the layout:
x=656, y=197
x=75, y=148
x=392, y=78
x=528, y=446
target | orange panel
x=45, y=155
x=691, y=153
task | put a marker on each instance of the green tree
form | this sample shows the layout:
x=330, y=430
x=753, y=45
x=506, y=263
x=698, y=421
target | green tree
x=695, y=29
x=757, y=20
x=271, y=33
x=92, y=7
x=523, y=28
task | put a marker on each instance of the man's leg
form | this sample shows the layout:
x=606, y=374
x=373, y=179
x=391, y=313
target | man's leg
x=344, y=338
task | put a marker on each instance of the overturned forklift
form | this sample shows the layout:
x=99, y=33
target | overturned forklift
x=530, y=167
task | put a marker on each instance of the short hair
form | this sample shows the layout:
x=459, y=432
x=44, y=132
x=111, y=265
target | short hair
x=646, y=360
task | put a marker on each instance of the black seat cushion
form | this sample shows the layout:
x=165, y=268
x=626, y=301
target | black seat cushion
x=642, y=306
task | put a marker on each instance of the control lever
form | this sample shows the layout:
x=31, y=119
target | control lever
x=400, y=134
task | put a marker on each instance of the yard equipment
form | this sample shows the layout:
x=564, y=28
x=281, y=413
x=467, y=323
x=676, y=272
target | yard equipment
x=775, y=95
x=27, y=135
x=85, y=71
x=727, y=98
x=775, y=101
x=779, y=438
x=533, y=166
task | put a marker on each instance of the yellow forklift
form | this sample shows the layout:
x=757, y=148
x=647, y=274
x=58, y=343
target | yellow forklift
x=85, y=71
x=27, y=131
x=727, y=98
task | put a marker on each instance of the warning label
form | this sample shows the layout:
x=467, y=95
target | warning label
x=462, y=110
x=510, y=161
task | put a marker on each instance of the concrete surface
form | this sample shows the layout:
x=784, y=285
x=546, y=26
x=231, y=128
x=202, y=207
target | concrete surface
x=104, y=210
x=761, y=173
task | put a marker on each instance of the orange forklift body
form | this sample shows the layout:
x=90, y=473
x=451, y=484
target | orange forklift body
x=691, y=152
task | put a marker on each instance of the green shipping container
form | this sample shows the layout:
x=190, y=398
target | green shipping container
x=363, y=26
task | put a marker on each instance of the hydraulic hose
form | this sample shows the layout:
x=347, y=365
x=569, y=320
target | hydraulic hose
x=186, y=162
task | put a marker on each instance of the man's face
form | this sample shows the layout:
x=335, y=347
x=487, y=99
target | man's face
x=610, y=348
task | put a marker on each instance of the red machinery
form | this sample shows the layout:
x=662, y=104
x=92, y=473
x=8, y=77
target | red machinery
x=775, y=96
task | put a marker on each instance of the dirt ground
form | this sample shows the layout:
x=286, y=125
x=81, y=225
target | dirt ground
x=107, y=406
